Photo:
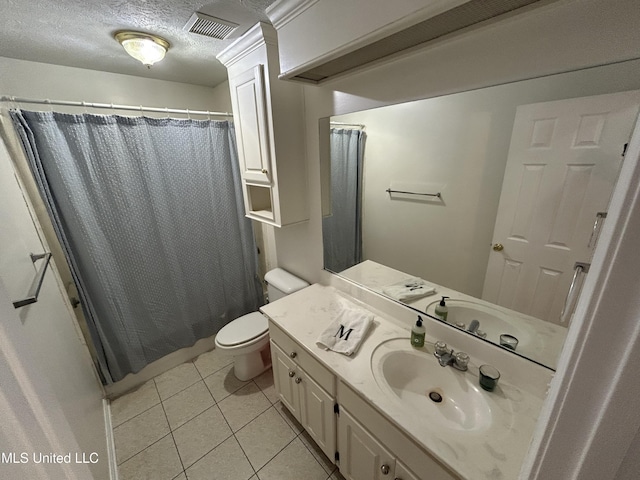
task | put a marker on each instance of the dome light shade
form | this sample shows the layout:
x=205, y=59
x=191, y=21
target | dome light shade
x=144, y=47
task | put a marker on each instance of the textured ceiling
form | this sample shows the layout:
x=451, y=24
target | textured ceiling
x=79, y=33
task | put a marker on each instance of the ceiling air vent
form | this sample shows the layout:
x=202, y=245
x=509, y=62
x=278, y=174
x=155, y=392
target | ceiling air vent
x=210, y=26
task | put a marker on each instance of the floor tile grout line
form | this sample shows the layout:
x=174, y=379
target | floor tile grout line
x=279, y=452
x=208, y=452
x=312, y=453
x=171, y=433
x=214, y=398
x=236, y=439
x=137, y=414
x=255, y=472
x=138, y=453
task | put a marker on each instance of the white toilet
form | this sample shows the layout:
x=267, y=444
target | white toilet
x=247, y=337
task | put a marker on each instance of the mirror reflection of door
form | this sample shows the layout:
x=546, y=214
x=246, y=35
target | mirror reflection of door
x=563, y=163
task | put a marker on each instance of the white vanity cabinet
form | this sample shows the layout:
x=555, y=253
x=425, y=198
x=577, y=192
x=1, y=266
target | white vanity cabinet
x=371, y=448
x=268, y=116
x=306, y=388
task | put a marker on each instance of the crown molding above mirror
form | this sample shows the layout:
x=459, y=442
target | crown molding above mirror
x=471, y=160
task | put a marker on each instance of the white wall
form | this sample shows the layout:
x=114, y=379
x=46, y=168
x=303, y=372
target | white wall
x=56, y=82
x=457, y=144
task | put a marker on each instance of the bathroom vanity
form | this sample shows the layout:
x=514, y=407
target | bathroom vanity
x=368, y=413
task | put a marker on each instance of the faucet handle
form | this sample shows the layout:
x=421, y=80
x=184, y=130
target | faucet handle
x=441, y=348
x=461, y=361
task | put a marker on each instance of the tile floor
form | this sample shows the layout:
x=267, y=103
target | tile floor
x=198, y=422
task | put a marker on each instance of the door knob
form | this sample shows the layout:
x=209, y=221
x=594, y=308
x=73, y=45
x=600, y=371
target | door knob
x=498, y=247
x=298, y=380
x=384, y=469
x=292, y=374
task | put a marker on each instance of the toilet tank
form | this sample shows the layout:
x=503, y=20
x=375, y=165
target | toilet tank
x=281, y=283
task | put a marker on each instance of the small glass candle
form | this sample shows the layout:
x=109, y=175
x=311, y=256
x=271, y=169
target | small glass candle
x=488, y=377
x=508, y=341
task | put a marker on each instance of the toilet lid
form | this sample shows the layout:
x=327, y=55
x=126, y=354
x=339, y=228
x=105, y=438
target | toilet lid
x=243, y=329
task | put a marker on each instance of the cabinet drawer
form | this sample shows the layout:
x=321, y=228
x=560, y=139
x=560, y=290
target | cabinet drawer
x=410, y=454
x=320, y=374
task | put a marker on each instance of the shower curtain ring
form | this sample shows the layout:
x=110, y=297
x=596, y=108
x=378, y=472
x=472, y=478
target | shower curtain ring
x=167, y=110
x=188, y=114
x=84, y=104
x=48, y=102
x=141, y=111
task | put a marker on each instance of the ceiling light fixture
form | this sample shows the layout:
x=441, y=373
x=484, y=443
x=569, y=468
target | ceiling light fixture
x=146, y=48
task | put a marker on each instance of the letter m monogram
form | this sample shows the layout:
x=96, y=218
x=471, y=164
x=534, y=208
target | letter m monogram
x=341, y=333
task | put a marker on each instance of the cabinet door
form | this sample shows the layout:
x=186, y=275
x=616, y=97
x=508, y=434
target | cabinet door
x=284, y=373
x=317, y=415
x=252, y=126
x=362, y=457
x=403, y=473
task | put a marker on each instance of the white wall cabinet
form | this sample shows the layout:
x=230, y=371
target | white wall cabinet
x=304, y=397
x=252, y=127
x=269, y=123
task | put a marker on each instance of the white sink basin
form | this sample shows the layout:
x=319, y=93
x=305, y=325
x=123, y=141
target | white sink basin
x=410, y=375
x=493, y=321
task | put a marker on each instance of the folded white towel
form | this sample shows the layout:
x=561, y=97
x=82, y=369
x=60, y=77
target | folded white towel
x=408, y=289
x=346, y=332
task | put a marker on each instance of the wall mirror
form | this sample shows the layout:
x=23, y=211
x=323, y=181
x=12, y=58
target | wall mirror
x=492, y=197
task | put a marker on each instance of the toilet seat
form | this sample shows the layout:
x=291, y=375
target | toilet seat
x=243, y=330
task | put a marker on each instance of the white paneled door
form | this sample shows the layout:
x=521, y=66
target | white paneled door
x=563, y=163
x=50, y=399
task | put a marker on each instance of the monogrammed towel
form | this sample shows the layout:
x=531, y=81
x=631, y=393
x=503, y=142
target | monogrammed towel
x=346, y=332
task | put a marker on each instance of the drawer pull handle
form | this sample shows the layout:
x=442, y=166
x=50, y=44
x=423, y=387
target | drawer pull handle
x=292, y=374
x=384, y=469
x=293, y=354
x=298, y=380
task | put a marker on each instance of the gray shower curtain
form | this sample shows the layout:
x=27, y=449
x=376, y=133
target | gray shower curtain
x=150, y=215
x=342, y=229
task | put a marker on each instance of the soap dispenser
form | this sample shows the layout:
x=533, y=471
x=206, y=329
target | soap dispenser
x=442, y=310
x=417, y=334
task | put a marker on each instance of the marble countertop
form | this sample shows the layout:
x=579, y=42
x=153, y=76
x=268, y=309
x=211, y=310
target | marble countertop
x=493, y=453
x=544, y=340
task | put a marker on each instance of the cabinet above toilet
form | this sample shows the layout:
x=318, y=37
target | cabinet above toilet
x=269, y=124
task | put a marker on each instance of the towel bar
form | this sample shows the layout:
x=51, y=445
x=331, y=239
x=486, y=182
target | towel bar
x=34, y=290
x=439, y=195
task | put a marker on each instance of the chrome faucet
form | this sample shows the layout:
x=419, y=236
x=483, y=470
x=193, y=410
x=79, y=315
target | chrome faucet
x=445, y=357
x=473, y=326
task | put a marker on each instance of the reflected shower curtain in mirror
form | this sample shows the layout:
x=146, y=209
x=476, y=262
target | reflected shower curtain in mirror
x=151, y=218
x=342, y=228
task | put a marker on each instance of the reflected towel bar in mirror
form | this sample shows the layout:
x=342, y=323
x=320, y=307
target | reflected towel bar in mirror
x=34, y=291
x=389, y=191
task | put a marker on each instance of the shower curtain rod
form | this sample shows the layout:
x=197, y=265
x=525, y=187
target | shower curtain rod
x=139, y=108
x=359, y=125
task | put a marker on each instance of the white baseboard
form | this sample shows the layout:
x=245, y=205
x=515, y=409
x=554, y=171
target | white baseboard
x=111, y=446
x=134, y=380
